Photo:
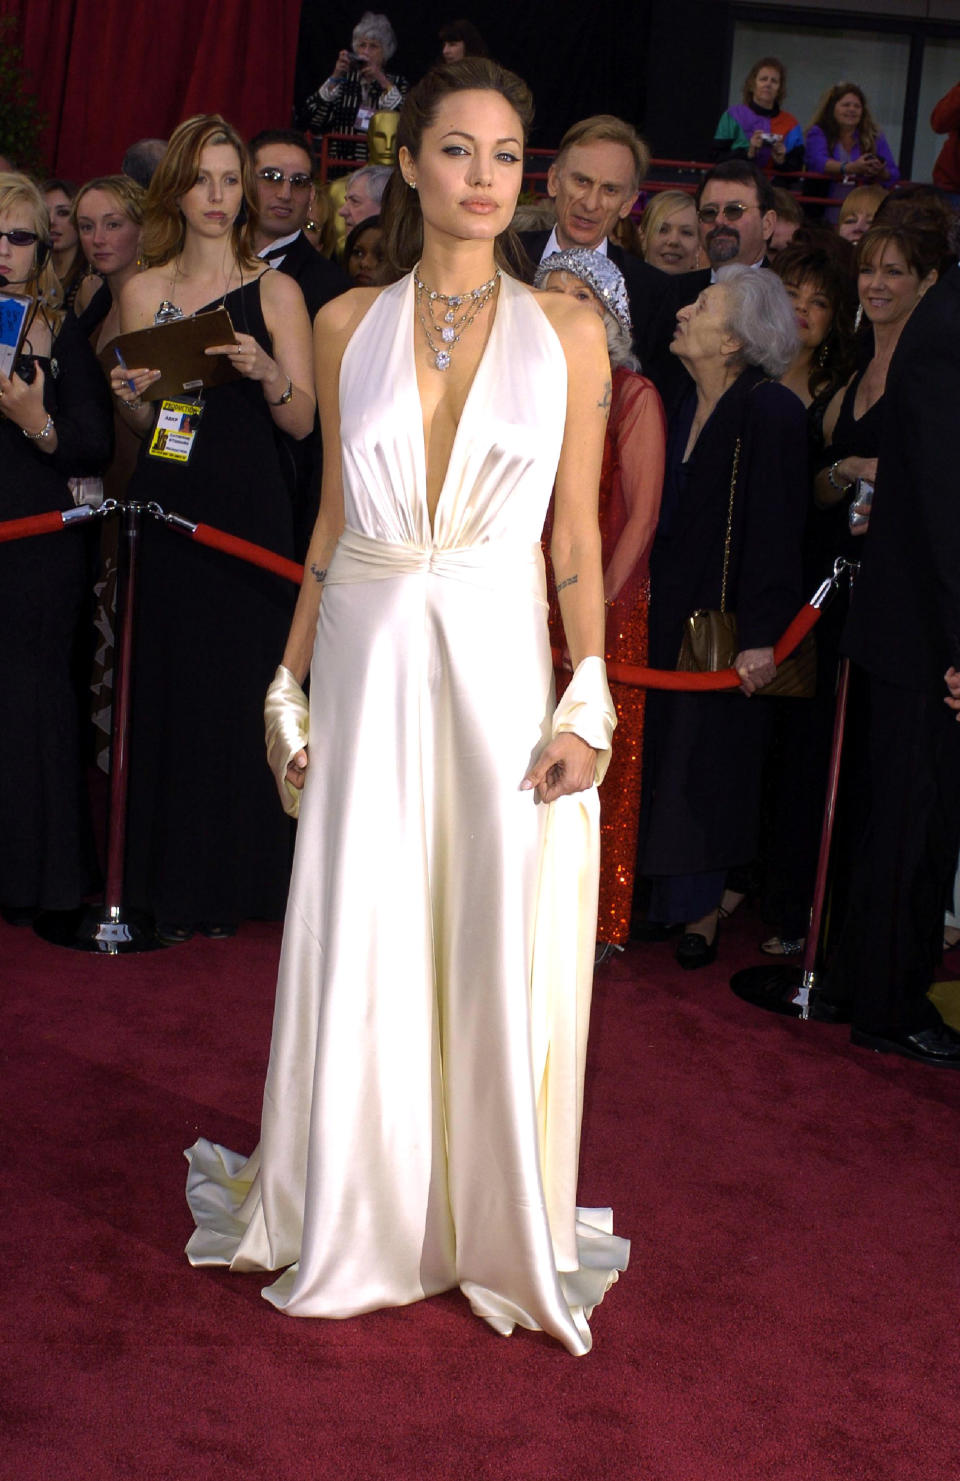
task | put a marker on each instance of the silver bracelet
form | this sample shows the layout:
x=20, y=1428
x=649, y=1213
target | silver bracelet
x=45, y=431
x=841, y=488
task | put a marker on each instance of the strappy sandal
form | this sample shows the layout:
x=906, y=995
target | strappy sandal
x=783, y=945
x=730, y=901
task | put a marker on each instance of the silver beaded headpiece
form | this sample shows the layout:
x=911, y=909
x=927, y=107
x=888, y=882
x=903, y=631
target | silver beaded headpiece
x=601, y=276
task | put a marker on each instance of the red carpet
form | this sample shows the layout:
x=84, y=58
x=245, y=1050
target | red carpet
x=790, y=1310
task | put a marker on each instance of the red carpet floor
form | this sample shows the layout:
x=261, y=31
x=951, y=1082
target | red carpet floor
x=790, y=1310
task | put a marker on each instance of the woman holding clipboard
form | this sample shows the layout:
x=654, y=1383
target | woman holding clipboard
x=206, y=847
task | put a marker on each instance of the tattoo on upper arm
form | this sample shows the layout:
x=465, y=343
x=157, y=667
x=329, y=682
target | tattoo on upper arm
x=570, y=581
x=316, y=572
x=604, y=402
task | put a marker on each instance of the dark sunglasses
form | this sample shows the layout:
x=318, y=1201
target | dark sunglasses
x=732, y=211
x=300, y=181
x=19, y=237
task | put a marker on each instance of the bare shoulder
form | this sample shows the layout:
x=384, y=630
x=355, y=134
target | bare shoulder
x=279, y=291
x=576, y=326
x=142, y=295
x=339, y=318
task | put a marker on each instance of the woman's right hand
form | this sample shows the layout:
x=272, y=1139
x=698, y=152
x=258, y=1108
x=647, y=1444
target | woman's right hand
x=342, y=65
x=121, y=381
x=297, y=770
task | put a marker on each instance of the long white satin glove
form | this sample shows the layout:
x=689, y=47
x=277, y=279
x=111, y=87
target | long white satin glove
x=286, y=714
x=587, y=709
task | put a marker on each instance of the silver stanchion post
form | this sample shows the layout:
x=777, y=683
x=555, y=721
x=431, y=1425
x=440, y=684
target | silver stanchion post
x=777, y=987
x=111, y=928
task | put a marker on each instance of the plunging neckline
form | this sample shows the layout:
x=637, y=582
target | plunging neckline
x=421, y=441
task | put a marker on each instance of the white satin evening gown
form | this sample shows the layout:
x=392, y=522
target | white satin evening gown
x=421, y=1114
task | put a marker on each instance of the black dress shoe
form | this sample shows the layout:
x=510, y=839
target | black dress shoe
x=937, y=1045
x=694, y=950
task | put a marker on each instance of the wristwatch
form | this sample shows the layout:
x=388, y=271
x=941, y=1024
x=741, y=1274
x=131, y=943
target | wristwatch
x=287, y=395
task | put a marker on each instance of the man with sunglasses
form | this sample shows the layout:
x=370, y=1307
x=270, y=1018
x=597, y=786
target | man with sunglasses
x=282, y=167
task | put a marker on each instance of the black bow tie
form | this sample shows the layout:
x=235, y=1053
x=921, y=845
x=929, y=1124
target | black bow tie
x=276, y=252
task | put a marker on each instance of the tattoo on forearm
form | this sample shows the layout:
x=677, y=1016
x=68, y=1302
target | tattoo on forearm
x=604, y=402
x=570, y=581
x=316, y=572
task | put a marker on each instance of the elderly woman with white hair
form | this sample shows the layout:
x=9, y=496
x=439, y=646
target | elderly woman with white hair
x=631, y=479
x=357, y=88
x=728, y=538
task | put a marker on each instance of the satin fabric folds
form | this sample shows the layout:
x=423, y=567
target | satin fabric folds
x=421, y=1114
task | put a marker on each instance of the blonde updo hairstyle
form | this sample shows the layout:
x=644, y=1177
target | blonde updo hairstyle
x=164, y=227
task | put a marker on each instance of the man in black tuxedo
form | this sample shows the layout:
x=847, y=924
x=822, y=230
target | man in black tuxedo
x=736, y=208
x=594, y=181
x=282, y=166
x=904, y=631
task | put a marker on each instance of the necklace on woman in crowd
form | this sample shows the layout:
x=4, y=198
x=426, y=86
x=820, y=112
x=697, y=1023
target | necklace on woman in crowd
x=459, y=312
x=168, y=310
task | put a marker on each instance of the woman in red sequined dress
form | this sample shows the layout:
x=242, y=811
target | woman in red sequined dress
x=630, y=486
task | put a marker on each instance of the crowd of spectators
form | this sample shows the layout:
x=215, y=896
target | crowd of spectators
x=752, y=323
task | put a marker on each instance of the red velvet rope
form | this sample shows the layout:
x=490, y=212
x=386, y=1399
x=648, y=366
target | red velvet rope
x=618, y=673
x=631, y=673
x=33, y=524
x=245, y=550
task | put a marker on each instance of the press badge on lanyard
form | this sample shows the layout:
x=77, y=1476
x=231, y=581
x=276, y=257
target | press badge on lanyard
x=176, y=430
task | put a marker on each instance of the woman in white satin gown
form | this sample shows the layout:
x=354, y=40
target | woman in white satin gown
x=421, y=1114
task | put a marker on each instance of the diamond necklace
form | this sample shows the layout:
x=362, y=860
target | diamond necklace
x=459, y=312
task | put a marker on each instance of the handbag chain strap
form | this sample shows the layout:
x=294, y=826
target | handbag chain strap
x=726, y=543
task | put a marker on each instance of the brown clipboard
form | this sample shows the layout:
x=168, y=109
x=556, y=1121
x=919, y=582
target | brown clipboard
x=176, y=350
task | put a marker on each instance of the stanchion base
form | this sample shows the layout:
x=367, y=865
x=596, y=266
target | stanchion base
x=97, y=928
x=774, y=988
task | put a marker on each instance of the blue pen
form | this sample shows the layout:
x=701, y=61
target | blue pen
x=125, y=368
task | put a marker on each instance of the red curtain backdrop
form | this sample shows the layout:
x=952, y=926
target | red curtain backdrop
x=107, y=72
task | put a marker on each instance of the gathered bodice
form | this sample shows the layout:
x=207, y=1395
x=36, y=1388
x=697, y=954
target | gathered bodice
x=504, y=457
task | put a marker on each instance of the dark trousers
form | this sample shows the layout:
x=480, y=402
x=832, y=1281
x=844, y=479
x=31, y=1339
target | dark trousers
x=903, y=869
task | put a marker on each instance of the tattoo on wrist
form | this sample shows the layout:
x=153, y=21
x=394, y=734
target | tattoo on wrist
x=316, y=572
x=570, y=581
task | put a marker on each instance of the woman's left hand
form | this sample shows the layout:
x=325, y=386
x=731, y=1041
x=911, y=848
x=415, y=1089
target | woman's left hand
x=756, y=668
x=22, y=404
x=248, y=358
x=566, y=764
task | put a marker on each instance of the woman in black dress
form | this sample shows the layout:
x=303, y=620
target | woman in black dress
x=896, y=265
x=703, y=752
x=207, y=846
x=55, y=421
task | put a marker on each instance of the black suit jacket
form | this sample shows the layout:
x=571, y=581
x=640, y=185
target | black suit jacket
x=319, y=280
x=318, y=277
x=645, y=287
x=904, y=623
